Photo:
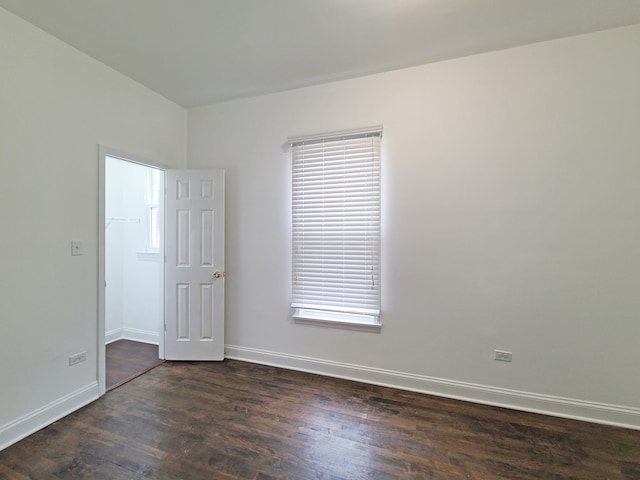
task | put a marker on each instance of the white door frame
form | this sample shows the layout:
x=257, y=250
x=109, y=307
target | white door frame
x=104, y=152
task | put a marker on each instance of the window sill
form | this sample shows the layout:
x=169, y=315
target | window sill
x=148, y=255
x=359, y=322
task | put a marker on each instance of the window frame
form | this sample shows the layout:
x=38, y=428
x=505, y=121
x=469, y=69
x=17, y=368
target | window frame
x=354, y=213
x=152, y=192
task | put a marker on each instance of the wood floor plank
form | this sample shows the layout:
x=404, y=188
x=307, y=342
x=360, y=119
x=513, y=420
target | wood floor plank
x=126, y=359
x=236, y=420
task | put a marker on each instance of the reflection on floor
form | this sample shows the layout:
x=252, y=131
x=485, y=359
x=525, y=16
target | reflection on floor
x=237, y=420
x=127, y=359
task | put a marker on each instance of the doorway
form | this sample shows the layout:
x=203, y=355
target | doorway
x=192, y=323
x=134, y=279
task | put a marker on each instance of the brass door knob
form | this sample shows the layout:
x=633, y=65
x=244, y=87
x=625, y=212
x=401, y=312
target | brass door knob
x=217, y=274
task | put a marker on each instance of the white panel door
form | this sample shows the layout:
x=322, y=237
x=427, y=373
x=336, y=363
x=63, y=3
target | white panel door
x=194, y=268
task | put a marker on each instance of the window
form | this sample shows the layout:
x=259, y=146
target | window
x=336, y=227
x=153, y=209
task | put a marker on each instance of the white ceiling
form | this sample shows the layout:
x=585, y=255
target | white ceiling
x=197, y=52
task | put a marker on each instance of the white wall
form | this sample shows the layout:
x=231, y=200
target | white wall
x=132, y=307
x=114, y=247
x=56, y=106
x=510, y=221
x=511, y=191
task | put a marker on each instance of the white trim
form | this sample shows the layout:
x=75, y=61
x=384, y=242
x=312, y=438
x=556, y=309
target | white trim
x=128, y=157
x=142, y=336
x=24, y=426
x=148, y=255
x=607, y=414
x=134, y=334
x=311, y=314
x=113, y=335
x=371, y=327
x=102, y=271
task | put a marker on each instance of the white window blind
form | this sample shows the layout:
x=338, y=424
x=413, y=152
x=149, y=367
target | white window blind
x=336, y=227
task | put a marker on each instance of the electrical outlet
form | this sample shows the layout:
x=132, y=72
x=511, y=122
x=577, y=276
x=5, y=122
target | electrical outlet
x=502, y=356
x=77, y=358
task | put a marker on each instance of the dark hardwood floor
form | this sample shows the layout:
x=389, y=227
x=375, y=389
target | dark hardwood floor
x=227, y=420
x=127, y=359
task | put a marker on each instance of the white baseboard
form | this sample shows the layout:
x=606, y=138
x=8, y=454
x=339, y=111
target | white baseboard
x=144, y=336
x=24, y=426
x=628, y=417
x=113, y=335
x=135, y=334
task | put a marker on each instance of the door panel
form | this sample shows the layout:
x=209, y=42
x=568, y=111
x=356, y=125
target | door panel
x=194, y=294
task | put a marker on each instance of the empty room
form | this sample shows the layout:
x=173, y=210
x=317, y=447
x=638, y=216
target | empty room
x=385, y=238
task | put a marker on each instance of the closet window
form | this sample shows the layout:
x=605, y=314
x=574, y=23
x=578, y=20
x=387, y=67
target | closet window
x=153, y=209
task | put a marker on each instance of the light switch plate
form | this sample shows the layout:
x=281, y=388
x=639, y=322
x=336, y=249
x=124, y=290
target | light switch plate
x=76, y=247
